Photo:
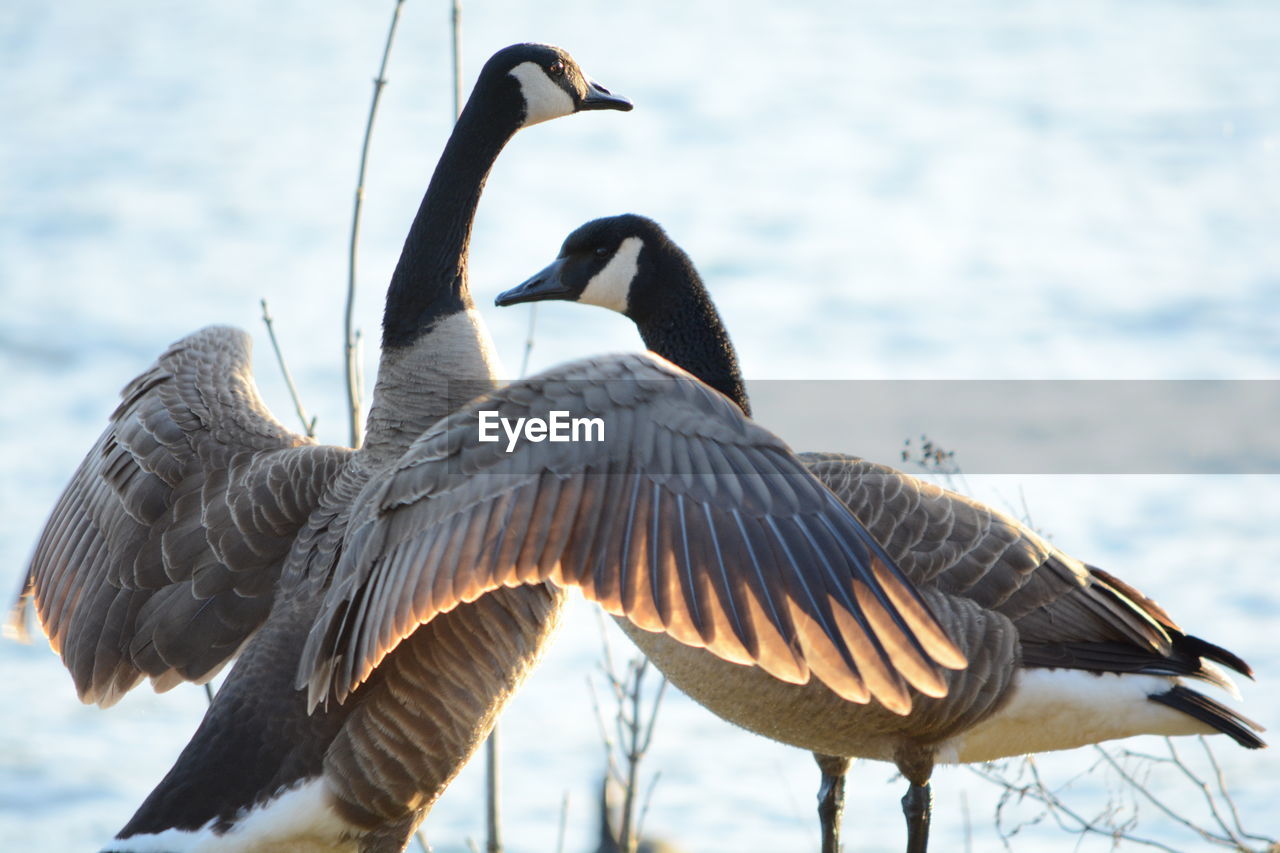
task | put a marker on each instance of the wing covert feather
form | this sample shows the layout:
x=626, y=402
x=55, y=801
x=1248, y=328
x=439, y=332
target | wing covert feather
x=942, y=539
x=687, y=518
x=161, y=555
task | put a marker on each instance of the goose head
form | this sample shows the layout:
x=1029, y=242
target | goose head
x=520, y=85
x=615, y=263
x=544, y=82
x=628, y=264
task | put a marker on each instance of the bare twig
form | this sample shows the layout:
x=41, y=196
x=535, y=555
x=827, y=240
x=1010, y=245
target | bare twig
x=422, y=841
x=1204, y=790
x=1221, y=780
x=308, y=424
x=350, y=352
x=456, y=29
x=1117, y=821
x=648, y=798
x=528, y=339
x=634, y=723
x=629, y=726
x=1155, y=801
x=564, y=823
x=493, y=827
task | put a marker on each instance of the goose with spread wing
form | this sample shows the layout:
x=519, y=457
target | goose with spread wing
x=389, y=599
x=1061, y=654
x=198, y=527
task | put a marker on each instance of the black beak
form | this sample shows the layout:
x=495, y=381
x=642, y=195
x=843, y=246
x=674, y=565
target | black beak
x=600, y=98
x=544, y=285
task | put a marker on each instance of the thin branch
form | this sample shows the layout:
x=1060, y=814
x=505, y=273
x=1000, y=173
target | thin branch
x=1203, y=787
x=1115, y=765
x=308, y=424
x=611, y=766
x=564, y=823
x=644, y=804
x=1226, y=795
x=1055, y=807
x=627, y=832
x=456, y=28
x=528, y=339
x=350, y=351
x=493, y=824
x=653, y=713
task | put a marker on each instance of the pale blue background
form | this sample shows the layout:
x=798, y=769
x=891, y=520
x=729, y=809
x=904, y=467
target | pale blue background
x=872, y=190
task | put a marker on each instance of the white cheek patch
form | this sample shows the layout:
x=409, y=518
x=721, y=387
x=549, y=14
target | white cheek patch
x=609, y=287
x=543, y=97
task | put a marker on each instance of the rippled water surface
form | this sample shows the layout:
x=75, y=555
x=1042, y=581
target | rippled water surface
x=872, y=191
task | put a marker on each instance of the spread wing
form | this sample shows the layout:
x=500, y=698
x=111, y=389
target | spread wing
x=687, y=518
x=161, y=556
x=1067, y=614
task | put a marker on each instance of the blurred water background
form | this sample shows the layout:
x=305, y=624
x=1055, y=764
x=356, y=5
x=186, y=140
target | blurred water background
x=872, y=190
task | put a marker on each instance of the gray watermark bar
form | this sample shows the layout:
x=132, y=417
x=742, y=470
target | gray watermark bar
x=1004, y=427
x=1036, y=426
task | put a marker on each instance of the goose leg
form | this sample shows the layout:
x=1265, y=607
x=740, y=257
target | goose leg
x=831, y=798
x=916, y=807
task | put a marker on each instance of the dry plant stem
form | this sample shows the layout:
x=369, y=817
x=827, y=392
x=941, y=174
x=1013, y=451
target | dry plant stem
x=1221, y=780
x=493, y=809
x=1056, y=808
x=493, y=828
x=351, y=348
x=308, y=424
x=456, y=29
x=528, y=339
x=1203, y=833
x=1071, y=821
x=1205, y=792
x=564, y=823
x=635, y=736
x=628, y=726
x=611, y=766
x=633, y=733
x=648, y=793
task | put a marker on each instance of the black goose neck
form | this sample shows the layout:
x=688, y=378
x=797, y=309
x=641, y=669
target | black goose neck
x=677, y=320
x=430, y=279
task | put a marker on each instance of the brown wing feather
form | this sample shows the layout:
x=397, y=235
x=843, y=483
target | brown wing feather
x=943, y=540
x=161, y=556
x=688, y=518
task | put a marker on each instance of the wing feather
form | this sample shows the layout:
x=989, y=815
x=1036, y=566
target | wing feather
x=687, y=519
x=179, y=502
x=1066, y=614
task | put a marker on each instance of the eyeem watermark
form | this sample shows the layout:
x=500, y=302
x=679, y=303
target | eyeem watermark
x=558, y=427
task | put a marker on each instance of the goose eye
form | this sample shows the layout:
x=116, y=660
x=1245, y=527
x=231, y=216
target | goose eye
x=601, y=251
x=556, y=68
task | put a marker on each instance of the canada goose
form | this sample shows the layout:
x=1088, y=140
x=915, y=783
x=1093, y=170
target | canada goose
x=198, y=522
x=198, y=518
x=1061, y=654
